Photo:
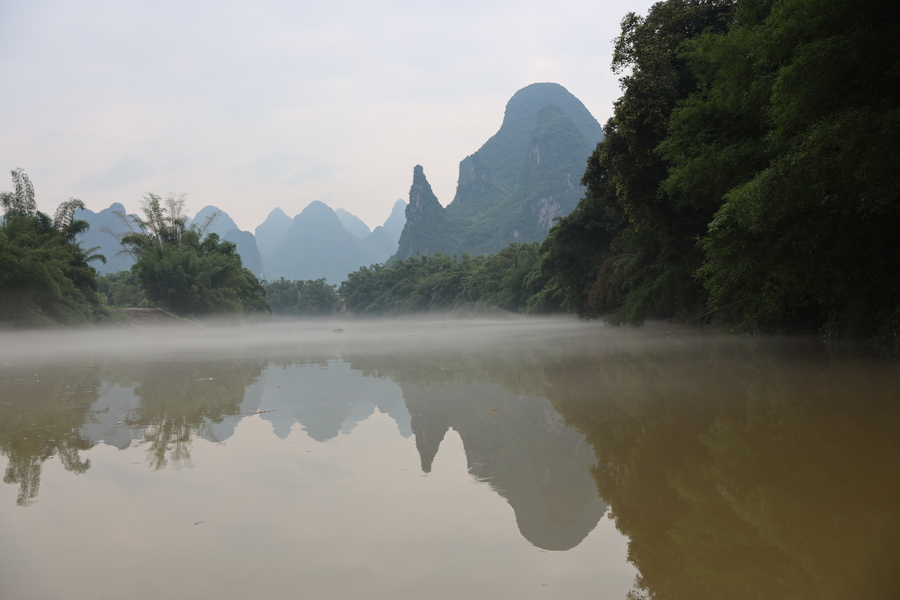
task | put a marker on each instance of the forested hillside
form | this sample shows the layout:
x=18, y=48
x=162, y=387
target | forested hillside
x=749, y=173
x=748, y=178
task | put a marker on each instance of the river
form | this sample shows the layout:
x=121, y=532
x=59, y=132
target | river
x=472, y=458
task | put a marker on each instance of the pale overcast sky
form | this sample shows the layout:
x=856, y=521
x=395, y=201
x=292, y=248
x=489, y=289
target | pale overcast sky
x=249, y=106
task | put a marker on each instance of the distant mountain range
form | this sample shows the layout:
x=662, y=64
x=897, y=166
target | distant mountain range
x=514, y=186
x=107, y=228
x=321, y=242
x=317, y=243
x=224, y=226
x=510, y=190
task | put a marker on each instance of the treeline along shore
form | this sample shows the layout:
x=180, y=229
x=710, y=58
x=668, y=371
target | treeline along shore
x=748, y=179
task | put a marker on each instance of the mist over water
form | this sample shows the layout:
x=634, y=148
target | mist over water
x=447, y=338
x=446, y=458
x=474, y=335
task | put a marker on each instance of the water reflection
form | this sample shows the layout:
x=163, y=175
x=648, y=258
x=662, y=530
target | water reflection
x=522, y=448
x=735, y=467
x=326, y=397
x=513, y=441
x=178, y=401
x=747, y=470
x=40, y=418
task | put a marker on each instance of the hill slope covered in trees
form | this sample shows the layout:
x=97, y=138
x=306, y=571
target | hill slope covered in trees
x=512, y=188
x=748, y=177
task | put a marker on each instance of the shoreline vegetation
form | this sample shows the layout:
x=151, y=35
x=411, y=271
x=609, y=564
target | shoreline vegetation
x=747, y=181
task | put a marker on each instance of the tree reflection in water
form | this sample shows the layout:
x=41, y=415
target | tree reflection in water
x=41, y=414
x=179, y=400
x=736, y=467
x=739, y=472
x=45, y=409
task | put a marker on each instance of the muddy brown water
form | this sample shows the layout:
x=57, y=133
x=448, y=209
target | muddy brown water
x=505, y=458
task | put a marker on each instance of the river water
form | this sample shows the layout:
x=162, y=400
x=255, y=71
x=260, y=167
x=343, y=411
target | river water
x=505, y=458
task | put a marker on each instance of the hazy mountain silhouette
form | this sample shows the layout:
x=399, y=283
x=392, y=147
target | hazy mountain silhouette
x=271, y=232
x=352, y=223
x=380, y=244
x=220, y=224
x=318, y=245
x=315, y=244
x=512, y=188
x=106, y=229
x=395, y=223
x=225, y=227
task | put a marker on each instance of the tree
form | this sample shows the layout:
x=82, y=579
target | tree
x=181, y=270
x=121, y=289
x=748, y=172
x=808, y=238
x=21, y=199
x=307, y=298
x=46, y=276
x=629, y=249
x=507, y=280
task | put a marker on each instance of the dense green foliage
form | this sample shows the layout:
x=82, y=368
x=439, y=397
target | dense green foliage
x=512, y=279
x=45, y=275
x=630, y=247
x=181, y=270
x=822, y=218
x=121, y=289
x=749, y=171
x=302, y=298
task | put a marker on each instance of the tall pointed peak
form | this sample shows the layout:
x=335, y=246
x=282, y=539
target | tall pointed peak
x=421, y=196
x=419, y=179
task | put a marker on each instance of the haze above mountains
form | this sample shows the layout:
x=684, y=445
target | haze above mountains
x=509, y=190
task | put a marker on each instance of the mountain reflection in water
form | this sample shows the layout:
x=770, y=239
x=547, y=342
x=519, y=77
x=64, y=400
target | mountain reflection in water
x=735, y=467
x=524, y=452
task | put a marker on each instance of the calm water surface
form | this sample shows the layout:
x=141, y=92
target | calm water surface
x=446, y=459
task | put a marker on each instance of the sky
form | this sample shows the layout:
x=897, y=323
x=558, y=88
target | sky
x=252, y=106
